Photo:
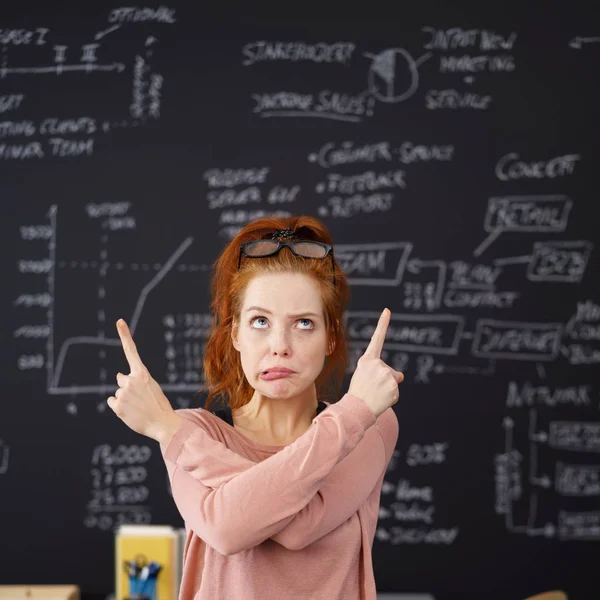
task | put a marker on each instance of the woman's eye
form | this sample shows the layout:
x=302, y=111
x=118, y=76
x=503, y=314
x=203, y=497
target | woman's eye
x=257, y=318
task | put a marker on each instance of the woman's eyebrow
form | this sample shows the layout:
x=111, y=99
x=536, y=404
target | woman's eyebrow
x=266, y=310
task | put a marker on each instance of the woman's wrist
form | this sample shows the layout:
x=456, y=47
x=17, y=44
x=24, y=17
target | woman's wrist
x=166, y=429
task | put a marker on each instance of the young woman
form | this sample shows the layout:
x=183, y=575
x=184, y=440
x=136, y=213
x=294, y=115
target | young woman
x=279, y=489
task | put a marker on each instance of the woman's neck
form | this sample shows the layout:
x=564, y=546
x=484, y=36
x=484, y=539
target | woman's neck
x=278, y=419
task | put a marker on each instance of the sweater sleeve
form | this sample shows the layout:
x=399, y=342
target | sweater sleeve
x=346, y=488
x=233, y=508
x=342, y=492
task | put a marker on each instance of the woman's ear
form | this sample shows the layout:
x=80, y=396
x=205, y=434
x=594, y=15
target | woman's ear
x=234, y=335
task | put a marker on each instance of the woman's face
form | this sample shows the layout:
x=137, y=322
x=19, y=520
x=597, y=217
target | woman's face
x=281, y=325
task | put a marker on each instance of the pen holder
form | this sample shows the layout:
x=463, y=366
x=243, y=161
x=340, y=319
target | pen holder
x=149, y=588
x=138, y=587
x=134, y=584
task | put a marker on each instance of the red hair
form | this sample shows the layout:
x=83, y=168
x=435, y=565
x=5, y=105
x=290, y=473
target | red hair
x=223, y=373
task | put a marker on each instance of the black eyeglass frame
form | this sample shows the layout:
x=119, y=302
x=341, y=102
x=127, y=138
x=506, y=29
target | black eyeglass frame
x=290, y=245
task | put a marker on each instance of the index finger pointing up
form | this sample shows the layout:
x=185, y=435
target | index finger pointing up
x=131, y=354
x=376, y=344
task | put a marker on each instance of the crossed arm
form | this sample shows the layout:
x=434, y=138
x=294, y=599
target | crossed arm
x=294, y=497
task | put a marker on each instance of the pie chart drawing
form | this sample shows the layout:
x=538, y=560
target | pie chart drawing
x=393, y=75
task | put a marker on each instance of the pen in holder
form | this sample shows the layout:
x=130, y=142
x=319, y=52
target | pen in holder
x=142, y=578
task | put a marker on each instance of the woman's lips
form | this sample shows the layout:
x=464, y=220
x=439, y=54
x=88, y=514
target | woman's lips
x=271, y=375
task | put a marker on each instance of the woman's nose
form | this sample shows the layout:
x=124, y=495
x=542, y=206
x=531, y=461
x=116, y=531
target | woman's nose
x=280, y=342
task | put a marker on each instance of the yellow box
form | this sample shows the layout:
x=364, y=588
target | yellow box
x=149, y=543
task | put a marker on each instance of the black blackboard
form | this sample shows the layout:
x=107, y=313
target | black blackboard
x=452, y=152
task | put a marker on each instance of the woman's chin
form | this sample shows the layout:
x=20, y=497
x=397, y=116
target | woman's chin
x=276, y=391
x=279, y=388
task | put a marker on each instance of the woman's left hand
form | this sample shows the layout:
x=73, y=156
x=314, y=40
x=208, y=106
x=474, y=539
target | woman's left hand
x=139, y=402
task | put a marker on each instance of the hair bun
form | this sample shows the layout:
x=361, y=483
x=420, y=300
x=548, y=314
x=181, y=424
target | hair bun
x=284, y=234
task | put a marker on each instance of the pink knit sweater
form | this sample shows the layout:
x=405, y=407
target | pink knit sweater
x=281, y=522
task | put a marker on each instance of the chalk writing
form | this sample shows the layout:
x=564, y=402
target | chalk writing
x=436, y=334
x=559, y=261
x=132, y=14
x=339, y=52
x=367, y=181
x=10, y=102
x=476, y=64
x=326, y=104
x=527, y=395
x=579, y=525
x=577, y=480
x=511, y=167
x=572, y=435
x=23, y=37
x=453, y=99
x=457, y=37
x=4, y=454
x=347, y=153
x=528, y=213
x=518, y=341
x=119, y=490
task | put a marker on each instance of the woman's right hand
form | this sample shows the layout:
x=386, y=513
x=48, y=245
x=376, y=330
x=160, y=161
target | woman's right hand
x=374, y=382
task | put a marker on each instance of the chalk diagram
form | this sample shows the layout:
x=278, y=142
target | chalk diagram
x=82, y=364
x=61, y=60
x=88, y=61
x=518, y=479
x=394, y=75
x=3, y=457
x=424, y=286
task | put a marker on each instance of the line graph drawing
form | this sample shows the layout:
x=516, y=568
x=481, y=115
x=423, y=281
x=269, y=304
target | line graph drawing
x=56, y=362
